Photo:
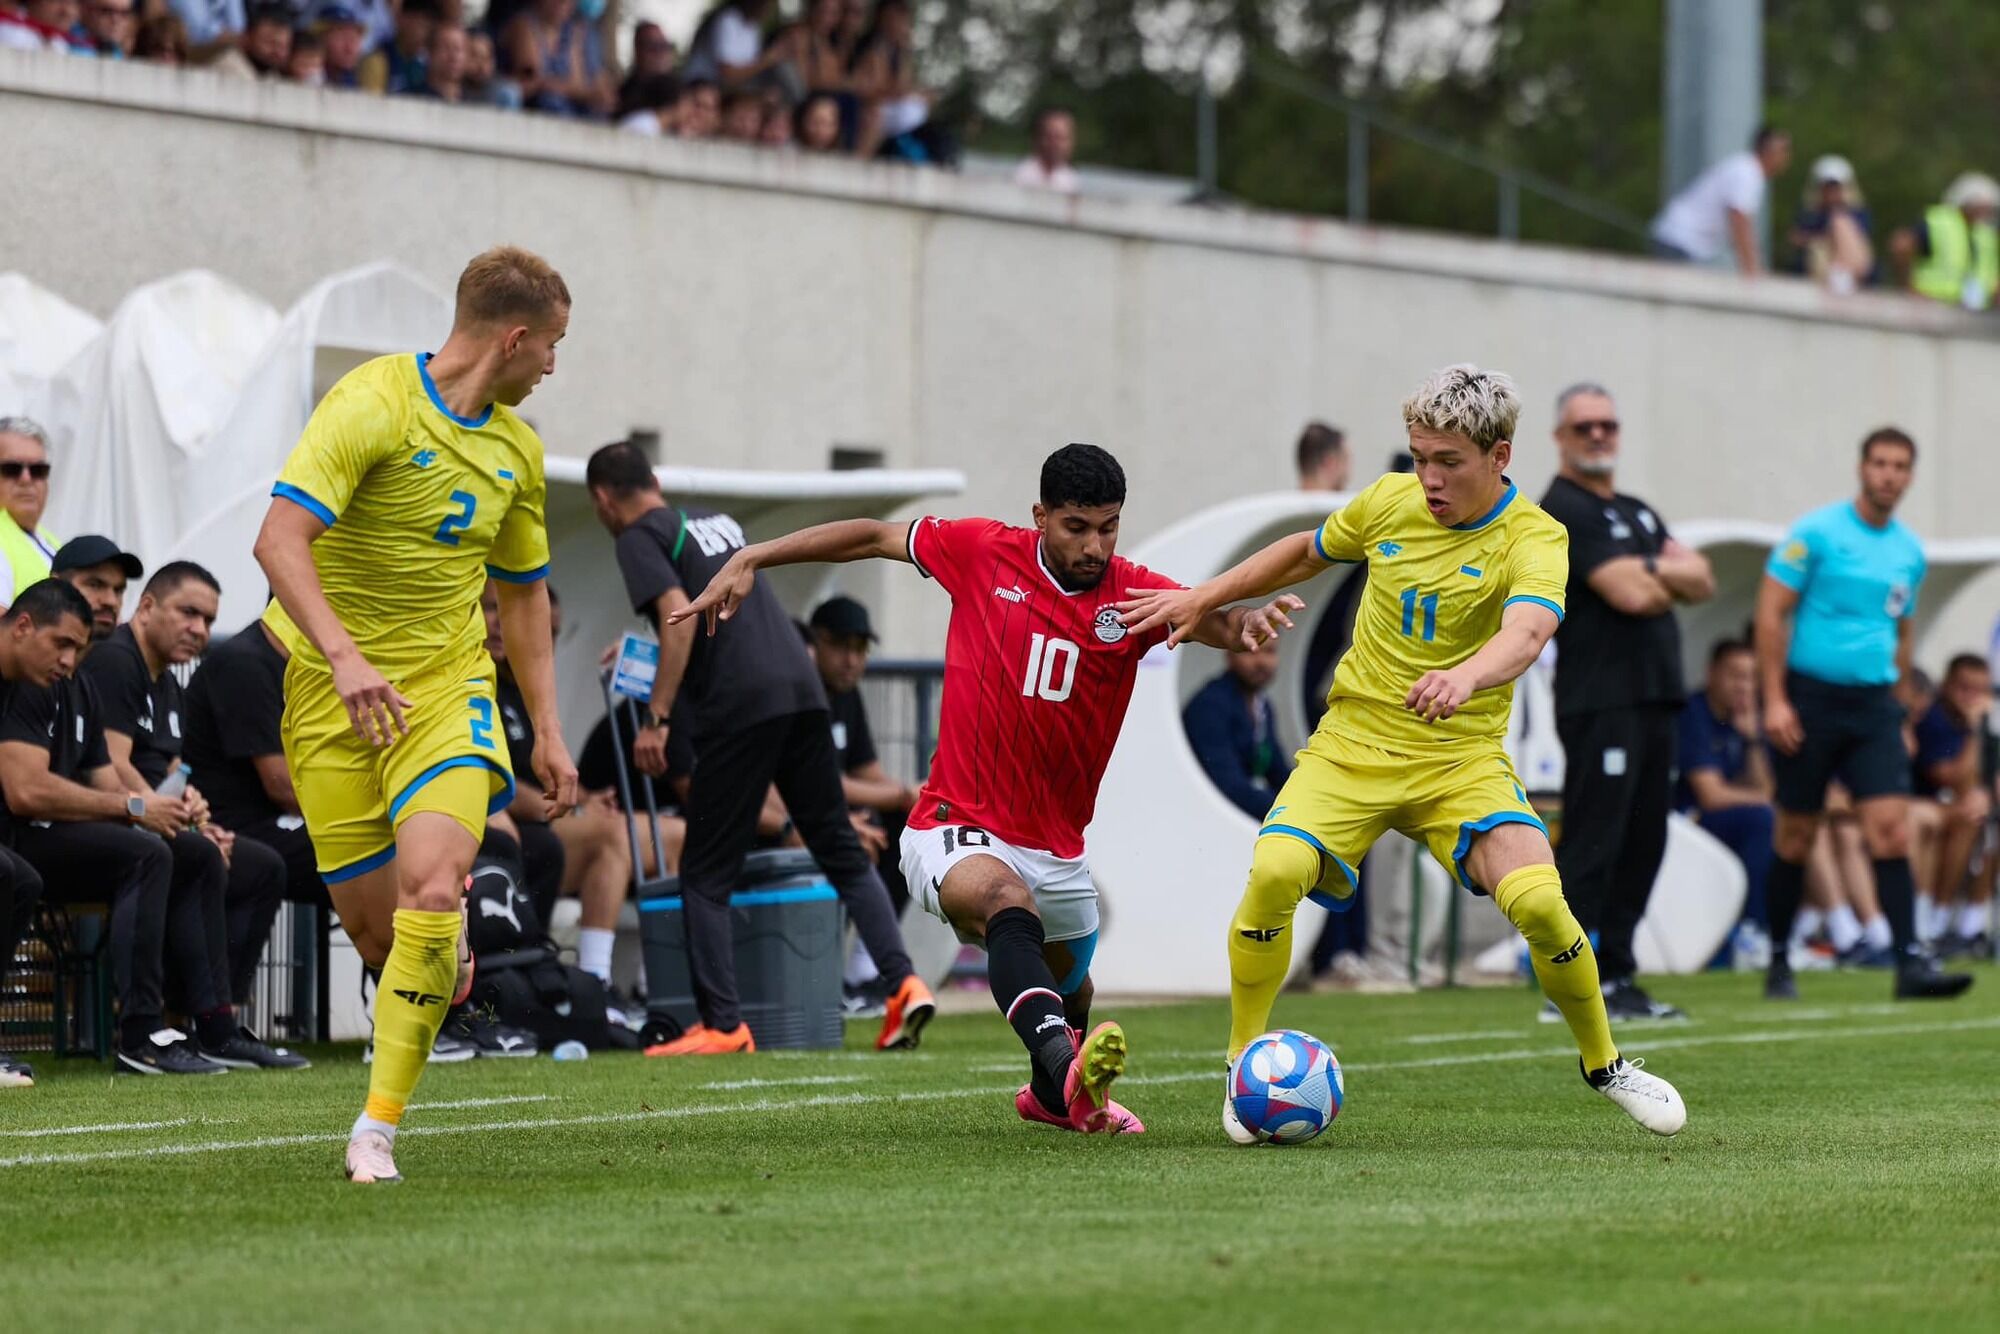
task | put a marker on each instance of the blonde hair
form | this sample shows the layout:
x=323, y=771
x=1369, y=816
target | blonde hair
x=1464, y=400
x=509, y=284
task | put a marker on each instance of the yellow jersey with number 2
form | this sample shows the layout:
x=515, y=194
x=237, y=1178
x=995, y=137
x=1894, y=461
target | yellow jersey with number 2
x=420, y=506
x=1434, y=596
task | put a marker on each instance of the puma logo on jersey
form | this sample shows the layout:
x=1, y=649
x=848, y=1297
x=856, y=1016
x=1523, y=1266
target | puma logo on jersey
x=1388, y=548
x=1013, y=594
x=424, y=458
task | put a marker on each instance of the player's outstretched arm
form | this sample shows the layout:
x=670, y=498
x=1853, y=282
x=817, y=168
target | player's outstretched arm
x=837, y=543
x=284, y=550
x=1240, y=629
x=525, y=629
x=1525, y=629
x=1287, y=561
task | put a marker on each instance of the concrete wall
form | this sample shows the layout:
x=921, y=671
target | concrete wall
x=759, y=307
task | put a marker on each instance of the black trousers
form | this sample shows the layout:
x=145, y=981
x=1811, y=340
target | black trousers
x=168, y=903
x=294, y=846
x=1617, y=793
x=725, y=794
x=20, y=891
x=253, y=891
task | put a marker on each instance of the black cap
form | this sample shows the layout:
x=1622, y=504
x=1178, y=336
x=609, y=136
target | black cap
x=844, y=618
x=80, y=553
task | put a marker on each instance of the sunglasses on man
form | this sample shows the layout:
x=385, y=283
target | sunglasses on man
x=12, y=470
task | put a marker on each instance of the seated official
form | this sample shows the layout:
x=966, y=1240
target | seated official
x=1726, y=785
x=1951, y=768
x=143, y=716
x=94, y=841
x=1234, y=731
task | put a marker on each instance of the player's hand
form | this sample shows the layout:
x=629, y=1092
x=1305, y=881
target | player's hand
x=724, y=594
x=225, y=842
x=556, y=772
x=198, y=812
x=1262, y=625
x=1177, y=610
x=373, y=705
x=649, y=751
x=165, y=816
x=873, y=840
x=1782, y=727
x=1438, y=695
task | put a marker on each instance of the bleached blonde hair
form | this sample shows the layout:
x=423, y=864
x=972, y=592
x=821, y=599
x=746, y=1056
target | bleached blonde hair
x=1464, y=400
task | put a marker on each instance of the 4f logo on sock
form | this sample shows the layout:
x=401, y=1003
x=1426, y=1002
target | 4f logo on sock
x=419, y=998
x=1571, y=954
x=1264, y=934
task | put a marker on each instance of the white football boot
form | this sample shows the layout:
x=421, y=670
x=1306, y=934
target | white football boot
x=368, y=1160
x=1232, y=1126
x=1647, y=1099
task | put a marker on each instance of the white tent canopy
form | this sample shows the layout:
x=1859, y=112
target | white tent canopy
x=39, y=333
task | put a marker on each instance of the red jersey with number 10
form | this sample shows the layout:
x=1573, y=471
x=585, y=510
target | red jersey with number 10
x=1036, y=680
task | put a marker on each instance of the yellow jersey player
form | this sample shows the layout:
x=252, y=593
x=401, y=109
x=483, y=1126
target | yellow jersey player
x=1465, y=586
x=414, y=482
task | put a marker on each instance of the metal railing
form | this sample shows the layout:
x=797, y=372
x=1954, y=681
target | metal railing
x=903, y=695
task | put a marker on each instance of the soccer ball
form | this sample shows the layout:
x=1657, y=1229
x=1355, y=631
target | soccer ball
x=1286, y=1087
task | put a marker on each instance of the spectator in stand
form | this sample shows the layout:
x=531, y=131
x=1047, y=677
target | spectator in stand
x=777, y=128
x=163, y=40
x=346, y=40
x=1831, y=230
x=558, y=59
x=26, y=547
x=405, y=57
x=728, y=45
x=93, y=841
x=1716, y=213
x=1323, y=460
x=1050, y=166
x=234, y=713
x=113, y=26
x=1618, y=691
x=141, y=709
x=700, y=110
x=654, y=106
x=45, y=25
x=1950, y=773
x=307, y=66
x=842, y=636
x=899, y=108
x=653, y=54
x=444, y=69
x=376, y=17
x=267, y=42
x=811, y=56
x=1725, y=774
x=742, y=117
x=1953, y=255
x=817, y=128
x=1233, y=728
x=483, y=84
x=214, y=27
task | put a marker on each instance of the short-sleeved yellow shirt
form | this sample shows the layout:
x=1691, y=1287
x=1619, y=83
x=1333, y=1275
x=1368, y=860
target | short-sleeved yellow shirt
x=1435, y=595
x=421, y=506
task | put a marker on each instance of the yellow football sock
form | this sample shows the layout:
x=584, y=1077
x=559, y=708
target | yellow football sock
x=1532, y=900
x=410, y=1001
x=1282, y=871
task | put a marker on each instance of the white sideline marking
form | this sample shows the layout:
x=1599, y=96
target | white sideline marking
x=721, y=1085
x=105, y=1129
x=941, y=1095
x=1484, y=1035
x=483, y=1102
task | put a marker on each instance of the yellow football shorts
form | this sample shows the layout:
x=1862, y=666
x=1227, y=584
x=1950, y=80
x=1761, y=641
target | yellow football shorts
x=1345, y=794
x=354, y=795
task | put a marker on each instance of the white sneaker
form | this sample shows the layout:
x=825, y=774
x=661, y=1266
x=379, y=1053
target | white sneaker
x=1232, y=1125
x=368, y=1160
x=1647, y=1099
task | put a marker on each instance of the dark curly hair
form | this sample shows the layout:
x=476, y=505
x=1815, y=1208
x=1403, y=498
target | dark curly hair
x=1082, y=475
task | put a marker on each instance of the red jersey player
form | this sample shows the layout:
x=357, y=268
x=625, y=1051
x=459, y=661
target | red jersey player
x=1038, y=671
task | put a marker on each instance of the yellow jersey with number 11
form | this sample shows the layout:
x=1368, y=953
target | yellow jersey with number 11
x=1435, y=595
x=420, y=506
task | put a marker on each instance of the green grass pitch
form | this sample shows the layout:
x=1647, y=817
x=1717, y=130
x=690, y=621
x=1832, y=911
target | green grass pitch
x=1840, y=1170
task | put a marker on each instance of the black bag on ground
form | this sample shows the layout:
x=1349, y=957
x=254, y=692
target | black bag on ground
x=520, y=980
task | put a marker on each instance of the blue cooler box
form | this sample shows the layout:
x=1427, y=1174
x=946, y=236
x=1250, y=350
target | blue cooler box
x=789, y=925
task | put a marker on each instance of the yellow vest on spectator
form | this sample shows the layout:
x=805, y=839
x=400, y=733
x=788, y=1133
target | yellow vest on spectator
x=26, y=561
x=1963, y=261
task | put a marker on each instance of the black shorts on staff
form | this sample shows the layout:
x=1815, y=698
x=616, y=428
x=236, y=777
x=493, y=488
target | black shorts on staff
x=1852, y=733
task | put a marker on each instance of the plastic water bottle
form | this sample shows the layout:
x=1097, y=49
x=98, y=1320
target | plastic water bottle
x=572, y=1050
